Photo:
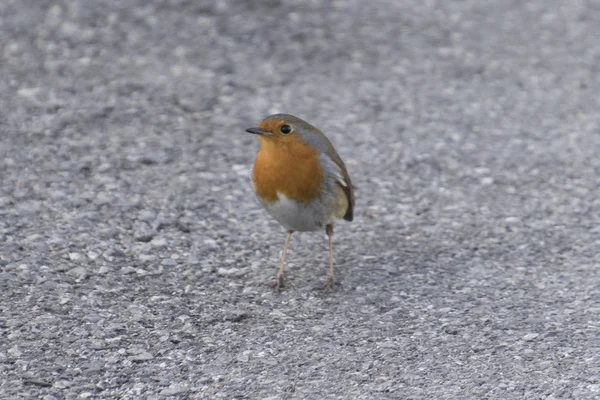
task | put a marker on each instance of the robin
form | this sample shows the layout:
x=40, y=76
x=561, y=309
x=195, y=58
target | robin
x=301, y=181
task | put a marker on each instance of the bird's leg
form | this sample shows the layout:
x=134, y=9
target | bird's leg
x=280, y=279
x=330, y=280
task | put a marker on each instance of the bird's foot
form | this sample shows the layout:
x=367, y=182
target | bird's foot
x=329, y=284
x=279, y=282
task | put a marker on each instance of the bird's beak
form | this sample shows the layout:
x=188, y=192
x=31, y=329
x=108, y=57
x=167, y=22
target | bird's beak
x=257, y=131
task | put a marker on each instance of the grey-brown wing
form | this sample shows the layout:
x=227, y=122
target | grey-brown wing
x=349, y=190
x=345, y=183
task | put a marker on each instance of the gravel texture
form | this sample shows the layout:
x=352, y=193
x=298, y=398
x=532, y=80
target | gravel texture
x=133, y=256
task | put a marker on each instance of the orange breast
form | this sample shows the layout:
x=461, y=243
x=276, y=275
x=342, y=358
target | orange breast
x=290, y=168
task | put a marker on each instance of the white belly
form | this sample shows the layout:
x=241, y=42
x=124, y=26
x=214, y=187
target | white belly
x=295, y=216
x=300, y=217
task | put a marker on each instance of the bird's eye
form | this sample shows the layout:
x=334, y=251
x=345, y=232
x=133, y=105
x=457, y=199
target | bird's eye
x=285, y=129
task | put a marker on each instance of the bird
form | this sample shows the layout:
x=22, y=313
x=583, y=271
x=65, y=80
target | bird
x=301, y=181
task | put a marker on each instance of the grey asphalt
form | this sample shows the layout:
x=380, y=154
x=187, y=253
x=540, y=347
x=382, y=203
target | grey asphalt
x=134, y=257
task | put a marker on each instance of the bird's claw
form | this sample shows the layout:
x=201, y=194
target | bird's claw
x=329, y=284
x=279, y=283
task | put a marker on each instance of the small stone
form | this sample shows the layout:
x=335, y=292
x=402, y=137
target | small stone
x=211, y=243
x=530, y=336
x=241, y=169
x=147, y=257
x=93, y=318
x=127, y=270
x=205, y=379
x=103, y=270
x=159, y=242
x=244, y=357
x=78, y=272
x=74, y=256
x=158, y=271
x=14, y=352
x=154, y=157
x=105, y=167
x=174, y=390
x=34, y=237
x=169, y=262
x=146, y=215
x=109, y=232
x=143, y=356
x=232, y=271
x=144, y=237
x=61, y=384
x=97, y=345
x=92, y=366
x=29, y=93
